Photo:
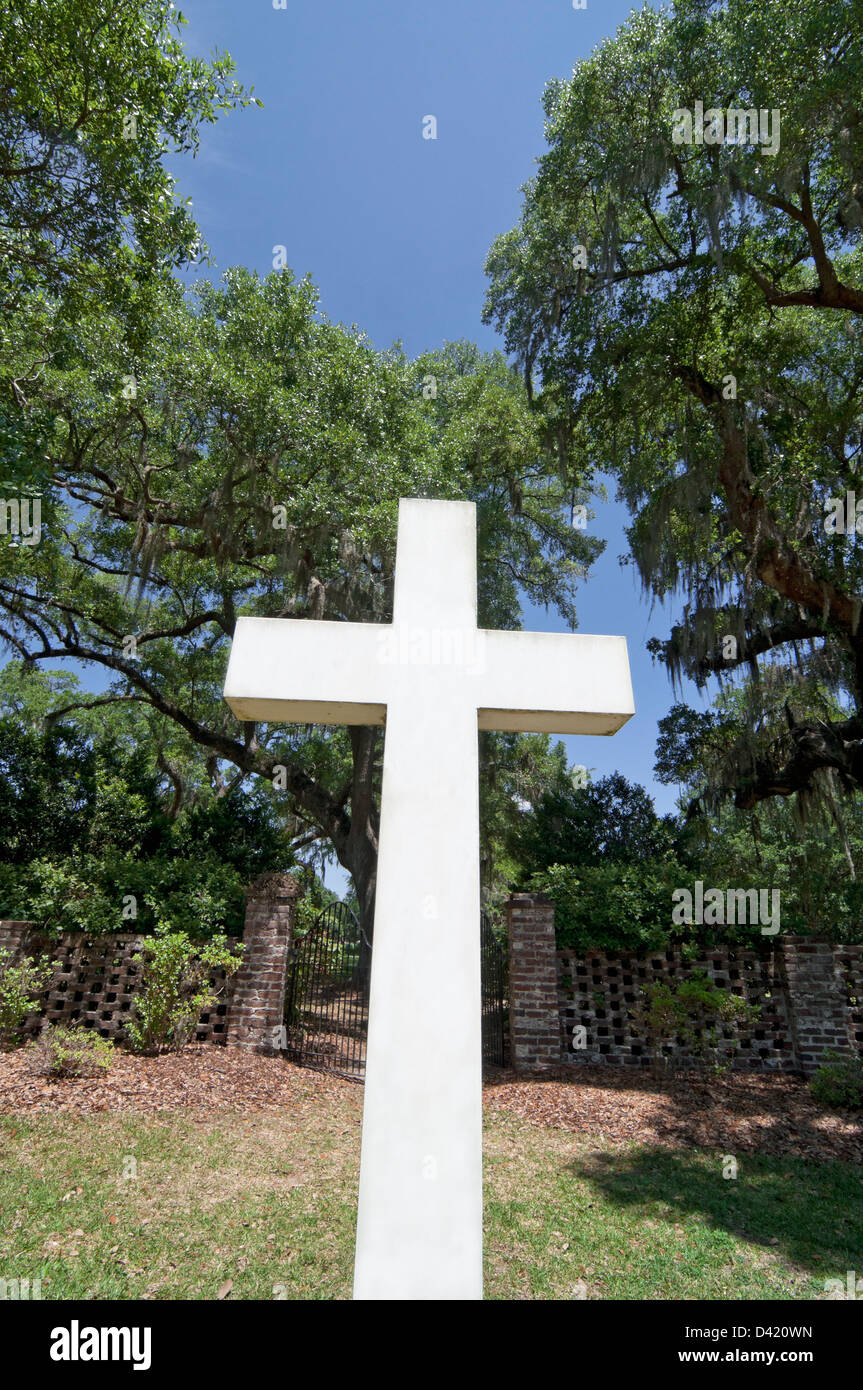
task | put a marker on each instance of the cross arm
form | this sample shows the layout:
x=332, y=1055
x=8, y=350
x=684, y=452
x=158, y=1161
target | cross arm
x=302, y=671
x=554, y=683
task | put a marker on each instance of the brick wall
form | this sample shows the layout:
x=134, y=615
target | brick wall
x=851, y=964
x=95, y=978
x=810, y=995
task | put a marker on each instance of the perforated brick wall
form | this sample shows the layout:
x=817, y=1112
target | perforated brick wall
x=95, y=981
x=810, y=995
x=597, y=992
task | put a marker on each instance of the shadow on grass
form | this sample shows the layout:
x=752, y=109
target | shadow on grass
x=812, y=1214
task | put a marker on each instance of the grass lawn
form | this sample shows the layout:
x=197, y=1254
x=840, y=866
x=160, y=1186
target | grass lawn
x=262, y=1206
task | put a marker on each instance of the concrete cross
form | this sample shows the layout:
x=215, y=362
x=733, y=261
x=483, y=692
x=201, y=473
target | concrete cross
x=433, y=679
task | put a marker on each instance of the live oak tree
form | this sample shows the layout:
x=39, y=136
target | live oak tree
x=814, y=860
x=93, y=95
x=691, y=312
x=258, y=470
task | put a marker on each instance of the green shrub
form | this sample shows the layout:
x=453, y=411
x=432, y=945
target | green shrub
x=68, y=1049
x=691, y=1013
x=838, y=1082
x=611, y=907
x=200, y=894
x=176, y=988
x=20, y=983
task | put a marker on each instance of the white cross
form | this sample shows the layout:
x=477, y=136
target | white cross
x=433, y=678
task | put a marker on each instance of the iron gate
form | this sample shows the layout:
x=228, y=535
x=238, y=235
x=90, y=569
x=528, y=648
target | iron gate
x=327, y=995
x=492, y=974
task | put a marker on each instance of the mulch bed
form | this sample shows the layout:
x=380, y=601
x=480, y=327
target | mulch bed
x=202, y=1076
x=738, y=1113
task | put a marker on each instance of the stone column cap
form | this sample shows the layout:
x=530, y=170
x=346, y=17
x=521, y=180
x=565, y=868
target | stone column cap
x=275, y=884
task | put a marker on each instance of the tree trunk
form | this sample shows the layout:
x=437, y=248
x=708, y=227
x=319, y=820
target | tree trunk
x=364, y=870
x=358, y=851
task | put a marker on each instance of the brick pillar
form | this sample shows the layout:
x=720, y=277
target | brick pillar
x=534, y=1019
x=817, y=1000
x=258, y=998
